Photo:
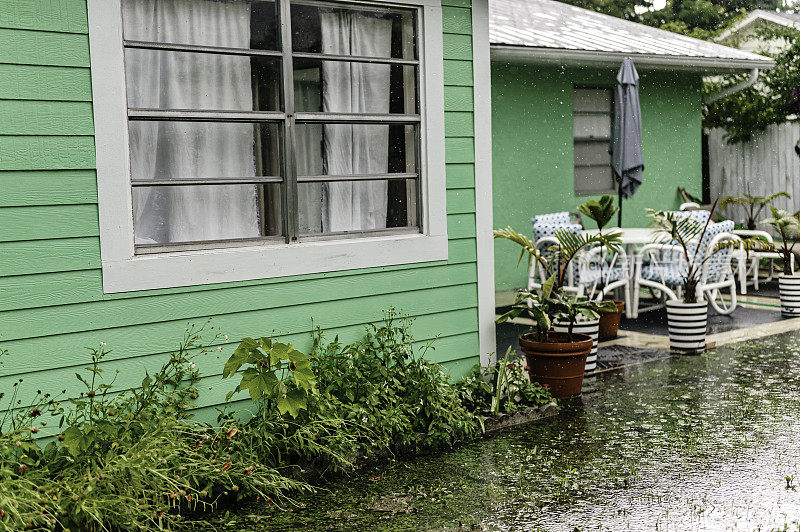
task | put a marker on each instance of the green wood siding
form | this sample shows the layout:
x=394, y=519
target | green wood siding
x=52, y=303
x=532, y=160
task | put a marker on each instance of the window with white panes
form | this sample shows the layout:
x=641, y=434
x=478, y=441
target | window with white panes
x=282, y=121
x=592, y=114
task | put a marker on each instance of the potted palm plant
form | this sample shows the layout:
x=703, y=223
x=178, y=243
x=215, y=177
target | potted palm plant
x=681, y=239
x=751, y=206
x=787, y=226
x=555, y=359
x=601, y=212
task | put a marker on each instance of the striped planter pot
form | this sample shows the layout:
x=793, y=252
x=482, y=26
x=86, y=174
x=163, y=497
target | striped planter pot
x=687, y=326
x=590, y=328
x=789, y=287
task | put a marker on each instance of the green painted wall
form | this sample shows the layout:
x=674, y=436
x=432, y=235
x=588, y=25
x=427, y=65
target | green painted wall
x=532, y=147
x=51, y=301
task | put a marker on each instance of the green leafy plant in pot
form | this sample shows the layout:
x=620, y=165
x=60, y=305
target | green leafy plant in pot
x=751, y=206
x=556, y=359
x=601, y=212
x=788, y=228
x=681, y=244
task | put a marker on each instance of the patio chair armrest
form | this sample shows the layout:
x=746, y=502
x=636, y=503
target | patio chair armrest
x=649, y=248
x=753, y=232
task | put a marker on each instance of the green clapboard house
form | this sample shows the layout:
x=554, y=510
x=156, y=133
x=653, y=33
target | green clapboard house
x=554, y=69
x=262, y=162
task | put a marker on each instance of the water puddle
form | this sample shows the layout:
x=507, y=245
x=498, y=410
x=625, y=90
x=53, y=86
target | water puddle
x=683, y=443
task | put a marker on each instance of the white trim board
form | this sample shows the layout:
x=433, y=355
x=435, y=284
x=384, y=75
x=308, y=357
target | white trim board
x=483, y=179
x=124, y=270
x=591, y=58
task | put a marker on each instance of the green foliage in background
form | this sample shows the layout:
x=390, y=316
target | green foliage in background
x=772, y=100
x=701, y=19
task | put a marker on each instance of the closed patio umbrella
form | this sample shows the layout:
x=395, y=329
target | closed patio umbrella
x=626, y=135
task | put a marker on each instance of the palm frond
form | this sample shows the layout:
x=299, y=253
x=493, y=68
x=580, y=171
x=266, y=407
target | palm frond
x=671, y=228
x=573, y=243
x=727, y=201
x=527, y=245
x=782, y=221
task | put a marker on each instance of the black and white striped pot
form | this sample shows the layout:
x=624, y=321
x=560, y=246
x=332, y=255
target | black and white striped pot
x=789, y=287
x=589, y=328
x=687, y=324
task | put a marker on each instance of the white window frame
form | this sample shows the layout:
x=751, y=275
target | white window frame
x=576, y=140
x=125, y=271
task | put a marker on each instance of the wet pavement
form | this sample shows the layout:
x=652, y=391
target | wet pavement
x=681, y=443
x=655, y=321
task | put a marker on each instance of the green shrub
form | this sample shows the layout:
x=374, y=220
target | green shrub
x=503, y=386
x=400, y=401
x=125, y=460
x=373, y=398
x=136, y=460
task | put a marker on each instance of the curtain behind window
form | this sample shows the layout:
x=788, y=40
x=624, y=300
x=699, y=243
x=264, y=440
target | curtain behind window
x=164, y=150
x=355, y=149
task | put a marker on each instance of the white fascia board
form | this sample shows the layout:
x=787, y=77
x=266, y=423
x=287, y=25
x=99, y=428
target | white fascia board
x=588, y=58
x=483, y=180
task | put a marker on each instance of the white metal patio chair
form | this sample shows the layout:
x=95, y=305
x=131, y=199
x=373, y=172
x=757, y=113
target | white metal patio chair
x=749, y=262
x=594, y=273
x=544, y=237
x=660, y=267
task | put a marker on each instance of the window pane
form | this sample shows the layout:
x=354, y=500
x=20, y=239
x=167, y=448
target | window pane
x=594, y=125
x=594, y=180
x=346, y=149
x=227, y=23
x=345, y=87
x=159, y=79
x=352, y=31
x=175, y=150
x=174, y=214
x=335, y=207
x=592, y=100
x=592, y=153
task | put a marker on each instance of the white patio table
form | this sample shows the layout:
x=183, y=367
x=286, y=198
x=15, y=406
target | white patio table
x=630, y=235
x=630, y=238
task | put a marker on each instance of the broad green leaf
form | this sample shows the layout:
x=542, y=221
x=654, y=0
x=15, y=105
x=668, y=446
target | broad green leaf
x=279, y=351
x=292, y=402
x=240, y=356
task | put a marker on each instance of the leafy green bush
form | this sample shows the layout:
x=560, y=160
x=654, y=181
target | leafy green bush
x=372, y=398
x=400, y=401
x=125, y=460
x=136, y=460
x=501, y=387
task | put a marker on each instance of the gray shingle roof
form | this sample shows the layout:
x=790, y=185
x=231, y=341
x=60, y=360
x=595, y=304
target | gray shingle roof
x=551, y=30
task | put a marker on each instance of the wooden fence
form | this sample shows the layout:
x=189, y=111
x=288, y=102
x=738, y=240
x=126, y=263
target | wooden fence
x=761, y=166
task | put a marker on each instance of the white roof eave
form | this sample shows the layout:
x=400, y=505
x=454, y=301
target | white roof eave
x=753, y=18
x=589, y=58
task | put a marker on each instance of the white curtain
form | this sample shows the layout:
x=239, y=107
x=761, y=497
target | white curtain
x=308, y=141
x=165, y=150
x=355, y=149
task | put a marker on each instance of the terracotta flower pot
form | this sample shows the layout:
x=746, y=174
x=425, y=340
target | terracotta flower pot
x=609, y=321
x=557, y=363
